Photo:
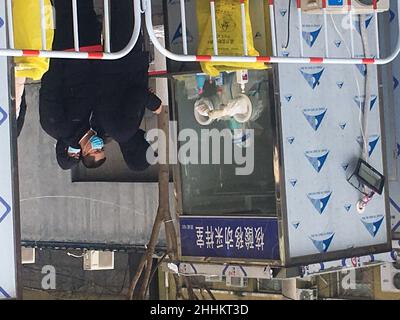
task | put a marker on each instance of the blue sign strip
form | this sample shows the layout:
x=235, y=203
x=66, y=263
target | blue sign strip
x=6, y=207
x=3, y=116
x=397, y=207
x=241, y=238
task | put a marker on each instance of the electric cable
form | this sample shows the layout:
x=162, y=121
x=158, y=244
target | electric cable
x=288, y=25
x=365, y=110
x=364, y=124
x=363, y=134
x=74, y=255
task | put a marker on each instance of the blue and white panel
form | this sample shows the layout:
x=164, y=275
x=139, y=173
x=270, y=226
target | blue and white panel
x=320, y=111
x=7, y=243
x=393, y=125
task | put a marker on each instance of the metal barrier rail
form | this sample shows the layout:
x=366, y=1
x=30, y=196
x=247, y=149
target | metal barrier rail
x=146, y=4
x=11, y=51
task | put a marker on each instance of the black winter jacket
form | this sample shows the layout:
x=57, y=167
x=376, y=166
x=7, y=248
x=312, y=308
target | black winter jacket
x=68, y=91
x=114, y=92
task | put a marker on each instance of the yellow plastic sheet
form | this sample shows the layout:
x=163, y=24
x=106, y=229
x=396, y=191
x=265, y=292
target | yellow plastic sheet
x=27, y=35
x=229, y=30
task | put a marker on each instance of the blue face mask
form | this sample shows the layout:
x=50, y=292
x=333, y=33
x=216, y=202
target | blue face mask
x=96, y=143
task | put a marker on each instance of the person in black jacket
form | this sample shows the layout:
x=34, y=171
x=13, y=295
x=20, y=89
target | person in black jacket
x=107, y=96
x=123, y=90
x=68, y=91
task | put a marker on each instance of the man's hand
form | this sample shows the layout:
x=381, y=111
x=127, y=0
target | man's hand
x=74, y=153
x=159, y=110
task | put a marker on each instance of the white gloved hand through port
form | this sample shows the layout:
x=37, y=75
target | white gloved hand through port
x=239, y=108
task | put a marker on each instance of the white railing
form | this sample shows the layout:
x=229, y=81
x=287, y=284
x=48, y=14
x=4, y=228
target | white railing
x=145, y=6
x=184, y=57
x=11, y=51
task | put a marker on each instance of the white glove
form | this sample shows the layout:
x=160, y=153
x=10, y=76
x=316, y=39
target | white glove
x=236, y=106
x=203, y=110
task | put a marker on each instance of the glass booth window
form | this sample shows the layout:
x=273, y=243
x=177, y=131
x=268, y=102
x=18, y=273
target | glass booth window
x=214, y=180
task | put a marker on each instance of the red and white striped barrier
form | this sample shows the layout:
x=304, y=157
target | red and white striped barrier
x=269, y=59
x=78, y=52
x=144, y=6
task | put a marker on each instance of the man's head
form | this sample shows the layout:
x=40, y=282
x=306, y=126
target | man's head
x=92, y=147
x=94, y=160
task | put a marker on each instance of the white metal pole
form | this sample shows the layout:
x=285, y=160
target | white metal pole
x=43, y=24
x=76, y=24
x=214, y=27
x=378, y=50
x=184, y=28
x=300, y=17
x=135, y=35
x=351, y=25
x=10, y=24
x=273, y=28
x=107, y=43
x=326, y=33
x=244, y=27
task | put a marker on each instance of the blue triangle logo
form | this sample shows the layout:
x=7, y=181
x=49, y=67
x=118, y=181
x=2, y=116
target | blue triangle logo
x=360, y=101
x=178, y=35
x=315, y=120
x=347, y=207
x=340, y=84
x=293, y=182
x=318, y=161
x=373, y=141
x=372, y=145
x=362, y=68
x=338, y=43
x=313, y=79
x=373, y=227
x=290, y=140
x=311, y=37
x=342, y=125
x=288, y=97
x=296, y=224
x=345, y=166
x=323, y=245
x=373, y=100
x=320, y=203
x=367, y=23
x=283, y=12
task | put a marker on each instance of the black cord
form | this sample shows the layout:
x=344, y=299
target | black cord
x=288, y=25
